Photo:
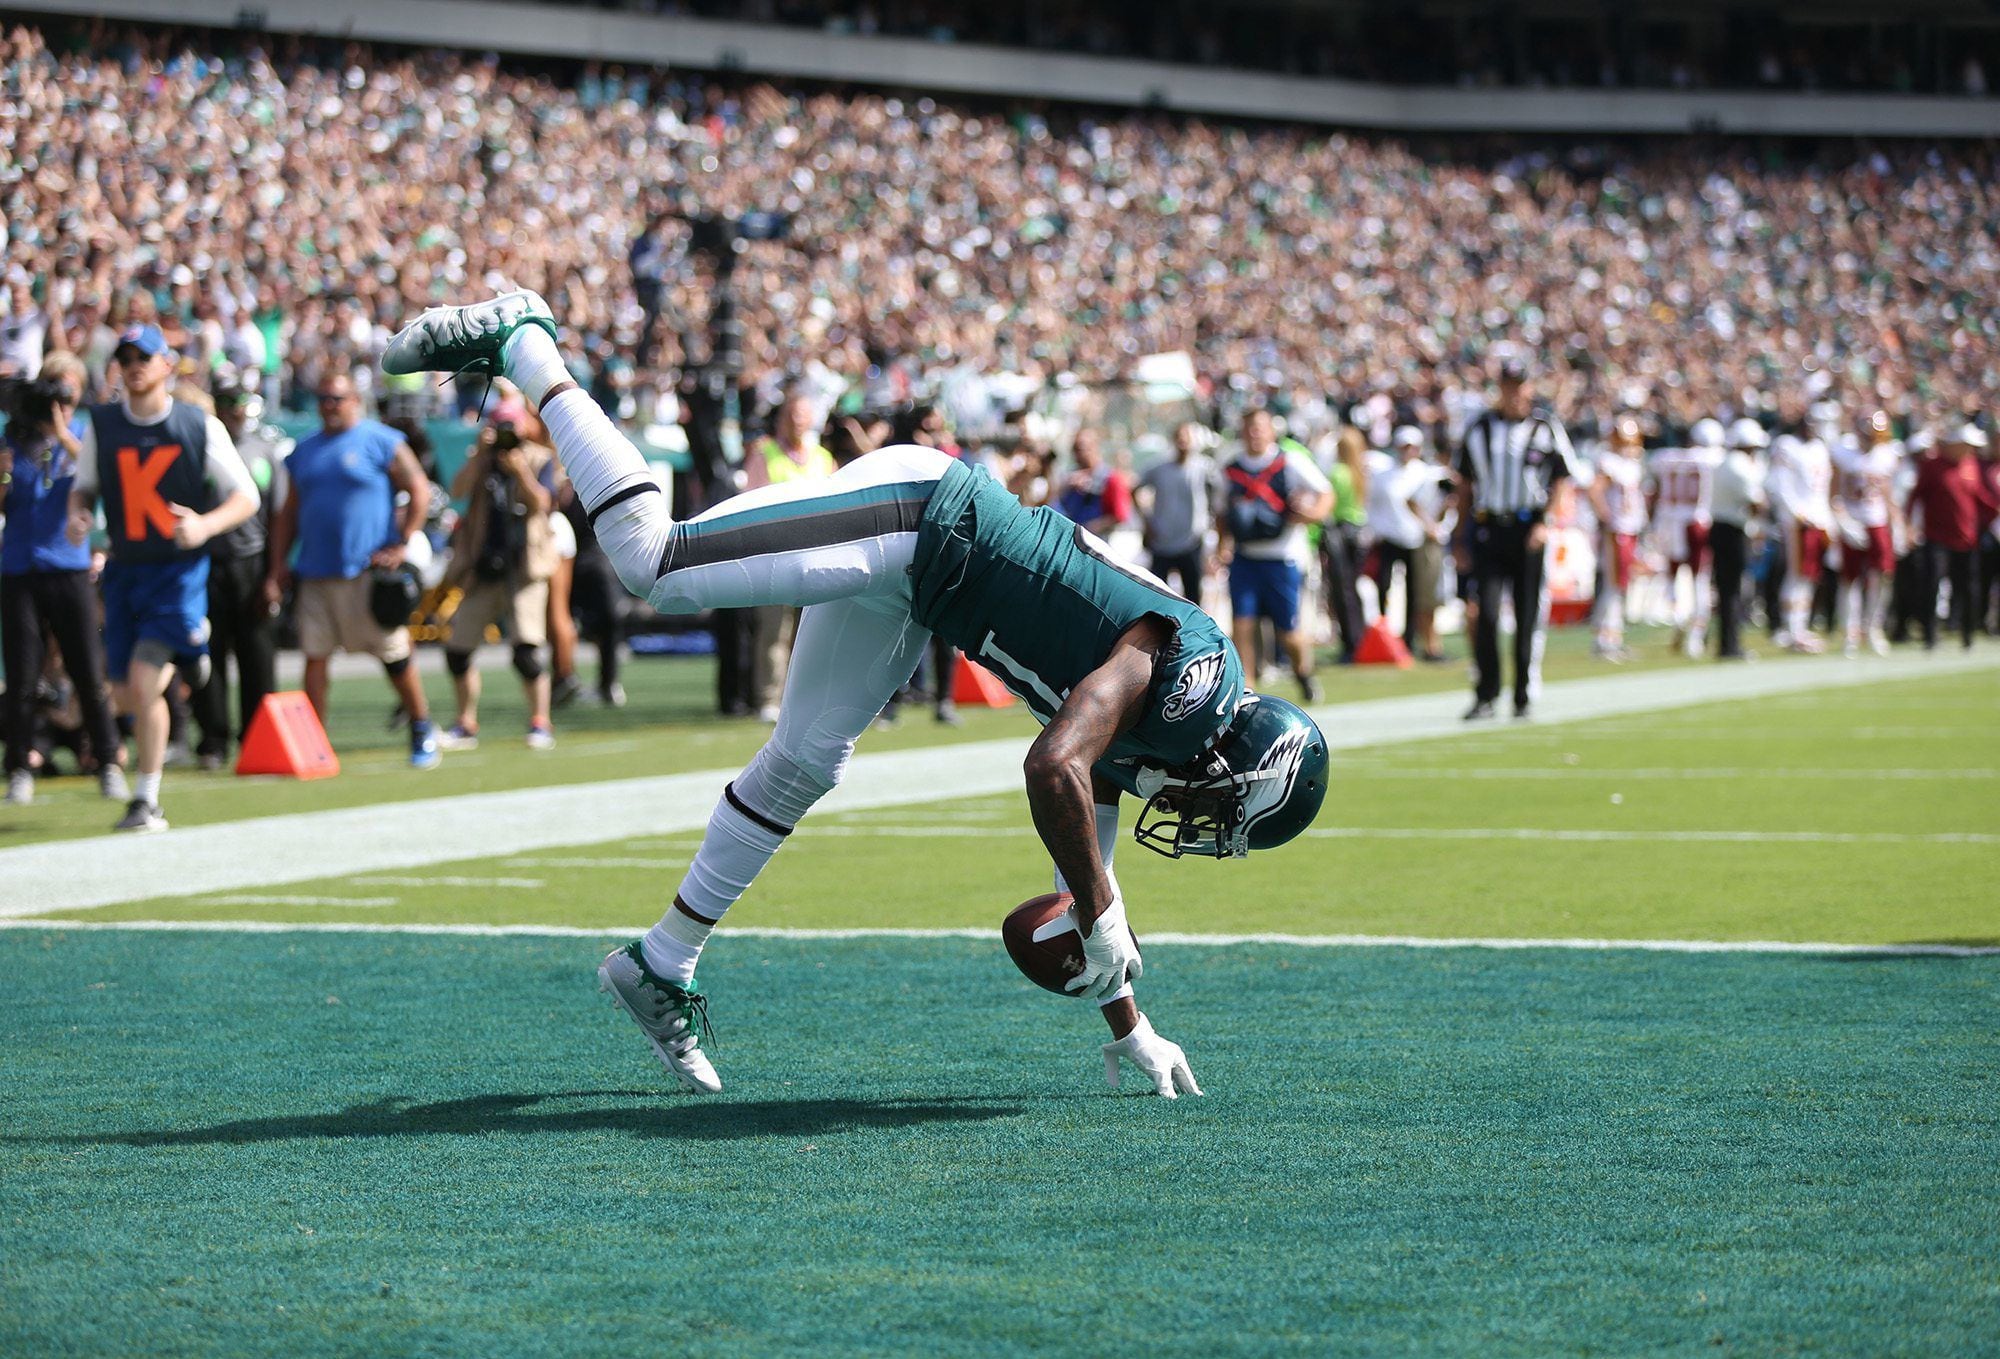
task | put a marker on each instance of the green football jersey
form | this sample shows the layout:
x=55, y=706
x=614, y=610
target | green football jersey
x=1035, y=599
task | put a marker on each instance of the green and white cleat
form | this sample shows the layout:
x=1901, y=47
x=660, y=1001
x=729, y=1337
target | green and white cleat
x=673, y=1018
x=467, y=339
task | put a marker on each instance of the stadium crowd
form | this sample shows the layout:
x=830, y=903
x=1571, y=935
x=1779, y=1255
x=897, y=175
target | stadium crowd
x=262, y=219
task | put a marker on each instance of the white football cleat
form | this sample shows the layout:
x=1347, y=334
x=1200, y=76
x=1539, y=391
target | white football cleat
x=673, y=1018
x=465, y=339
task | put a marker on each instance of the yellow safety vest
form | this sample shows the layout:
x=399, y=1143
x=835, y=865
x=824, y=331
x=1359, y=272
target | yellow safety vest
x=779, y=466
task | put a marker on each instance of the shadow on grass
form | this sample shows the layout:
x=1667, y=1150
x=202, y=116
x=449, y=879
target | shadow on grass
x=641, y=1113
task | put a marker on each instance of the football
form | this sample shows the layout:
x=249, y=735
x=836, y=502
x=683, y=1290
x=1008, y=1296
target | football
x=1043, y=943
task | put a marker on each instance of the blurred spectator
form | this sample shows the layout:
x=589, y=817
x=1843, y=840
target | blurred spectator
x=1428, y=484
x=170, y=480
x=1340, y=551
x=1270, y=493
x=1738, y=495
x=1951, y=493
x=1094, y=494
x=24, y=334
x=1176, y=504
x=502, y=555
x=594, y=599
x=341, y=513
x=240, y=621
x=45, y=586
x=790, y=452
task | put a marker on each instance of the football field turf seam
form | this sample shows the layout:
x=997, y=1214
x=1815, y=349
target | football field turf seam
x=302, y=847
x=1166, y=937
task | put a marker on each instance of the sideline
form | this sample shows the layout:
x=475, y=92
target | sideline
x=1416, y=941
x=271, y=851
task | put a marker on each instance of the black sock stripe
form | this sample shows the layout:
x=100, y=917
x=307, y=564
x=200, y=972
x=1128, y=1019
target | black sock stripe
x=729, y=793
x=620, y=497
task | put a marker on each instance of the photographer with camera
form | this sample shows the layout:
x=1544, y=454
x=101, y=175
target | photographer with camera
x=45, y=575
x=503, y=552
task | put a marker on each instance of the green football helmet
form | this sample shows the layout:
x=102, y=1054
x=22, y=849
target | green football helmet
x=1258, y=786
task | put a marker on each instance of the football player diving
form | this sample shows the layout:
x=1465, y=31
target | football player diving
x=1137, y=689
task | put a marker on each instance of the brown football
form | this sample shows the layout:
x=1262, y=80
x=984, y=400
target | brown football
x=1051, y=962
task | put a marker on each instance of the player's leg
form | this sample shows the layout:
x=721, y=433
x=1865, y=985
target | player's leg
x=851, y=657
x=1531, y=625
x=800, y=543
x=1488, y=585
x=21, y=646
x=1852, y=571
x=147, y=675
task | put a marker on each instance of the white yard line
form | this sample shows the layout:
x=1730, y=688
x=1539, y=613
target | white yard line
x=599, y=861
x=443, y=880
x=281, y=899
x=1734, y=837
x=898, y=831
x=1780, y=946
x=304, y=846
x=1386, y=770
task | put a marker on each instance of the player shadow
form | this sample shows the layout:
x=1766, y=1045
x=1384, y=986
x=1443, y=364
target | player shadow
x=643, y=1113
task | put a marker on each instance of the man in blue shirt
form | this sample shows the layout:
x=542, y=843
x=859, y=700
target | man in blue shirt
x=45, y=578
x=342, y=516
x=171, y=480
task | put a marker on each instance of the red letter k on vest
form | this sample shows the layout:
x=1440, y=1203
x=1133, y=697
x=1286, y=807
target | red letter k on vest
x=140, y=483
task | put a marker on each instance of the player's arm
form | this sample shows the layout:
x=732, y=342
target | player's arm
x=1062, y=792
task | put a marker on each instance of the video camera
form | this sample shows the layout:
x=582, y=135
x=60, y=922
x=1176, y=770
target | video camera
x=723, y=237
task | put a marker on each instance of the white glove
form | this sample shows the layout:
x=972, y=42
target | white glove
x=1110, y=955
x=1164, y=1064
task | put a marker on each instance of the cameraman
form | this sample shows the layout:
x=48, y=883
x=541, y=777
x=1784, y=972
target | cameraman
x=502, y=554
x=45, y=576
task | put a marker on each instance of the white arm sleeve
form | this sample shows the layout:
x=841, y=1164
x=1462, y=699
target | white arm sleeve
x=226, y=473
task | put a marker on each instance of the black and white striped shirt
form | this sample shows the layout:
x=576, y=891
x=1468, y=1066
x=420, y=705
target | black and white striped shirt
x=1513, y=465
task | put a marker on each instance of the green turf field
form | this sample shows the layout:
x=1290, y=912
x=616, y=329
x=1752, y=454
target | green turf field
x=231, y=1142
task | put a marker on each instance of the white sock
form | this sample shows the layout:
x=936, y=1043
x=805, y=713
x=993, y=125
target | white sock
x=146, y=787
x=673, y=946
x=602, y=462
x=532, y=362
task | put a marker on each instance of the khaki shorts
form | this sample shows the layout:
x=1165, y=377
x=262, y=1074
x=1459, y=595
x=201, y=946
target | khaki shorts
x=1426, y=567
x=522, y=609
x=332, y=615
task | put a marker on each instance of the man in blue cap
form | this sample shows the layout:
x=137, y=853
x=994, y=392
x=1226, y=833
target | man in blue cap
x=170, y=479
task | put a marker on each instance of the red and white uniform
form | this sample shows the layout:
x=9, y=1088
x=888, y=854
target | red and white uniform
x=1624, y=482
x=1800, y=485
x=1865, y=482
x=1684, y=486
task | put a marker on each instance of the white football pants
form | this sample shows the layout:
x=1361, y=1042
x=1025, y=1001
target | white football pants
x=841, y=547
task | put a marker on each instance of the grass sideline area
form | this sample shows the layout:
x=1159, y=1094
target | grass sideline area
x=1676, y=824
x=668, y=726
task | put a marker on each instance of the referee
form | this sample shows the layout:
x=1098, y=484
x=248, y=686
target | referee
x=1509, y=465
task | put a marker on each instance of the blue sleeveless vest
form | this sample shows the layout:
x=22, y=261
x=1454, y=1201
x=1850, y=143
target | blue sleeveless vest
x=142, y=470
